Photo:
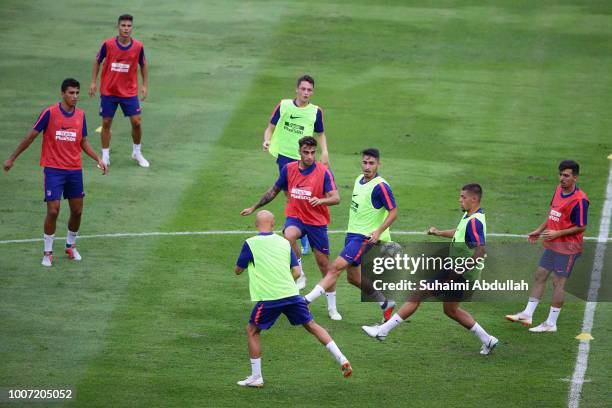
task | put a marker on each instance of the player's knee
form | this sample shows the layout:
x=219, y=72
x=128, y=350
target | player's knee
x=351, y=279
x=136, y=123
x=106, y=123
x=52, y=212
x=76, y=212
x=450, y=312
x=558, y=282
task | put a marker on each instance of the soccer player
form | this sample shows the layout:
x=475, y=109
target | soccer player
x=563, y=233
x=298, y=118
x=119, y=84
x=311, y=189
x=372, y=212
x=468, y=241
x=64, y=136
x=272, y=266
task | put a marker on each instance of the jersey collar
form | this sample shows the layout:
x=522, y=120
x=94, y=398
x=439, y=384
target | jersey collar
x=66, y=114
x=124, y=47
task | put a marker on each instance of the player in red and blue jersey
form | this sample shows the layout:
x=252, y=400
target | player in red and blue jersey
x=122, y=55
x=64, y=136
x=310, y=188
x=563, y=233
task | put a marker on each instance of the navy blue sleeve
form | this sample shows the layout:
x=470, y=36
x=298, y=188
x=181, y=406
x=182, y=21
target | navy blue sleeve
x=275, y=115
x=474, y=234
x=329, y=184
x=141, y=58
x=101, y=53
x=43, y=121
x=579, y=213
x=318, y=125
x=245, y=257
x=383, y=196
x=84, y=126
x=282, y=179
x=294, y=259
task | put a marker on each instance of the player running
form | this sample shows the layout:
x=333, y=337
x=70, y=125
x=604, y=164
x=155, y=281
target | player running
x=468, y=241
x=271, y=264
x=311, y=189
x=563, y=233
x=298, y=118
x=372, y=212
x=119, y=85
x=64, y=136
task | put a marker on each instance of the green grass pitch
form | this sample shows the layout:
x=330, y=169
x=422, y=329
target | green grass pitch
x=495, y=92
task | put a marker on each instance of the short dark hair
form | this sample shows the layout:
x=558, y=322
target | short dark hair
x=125, y=17
x=70, y=82
x=570, y=164
x=306, y=78
x=307, y=141
x=473, y=188
x=372, y=152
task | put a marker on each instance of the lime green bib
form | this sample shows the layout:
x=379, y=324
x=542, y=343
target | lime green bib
x=363, y=217
x=458, y=246
x=270, y=274
x=293, y=124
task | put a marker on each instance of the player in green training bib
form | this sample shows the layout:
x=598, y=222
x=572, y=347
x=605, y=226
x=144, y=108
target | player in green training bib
x=291, y=120
x=372, y=212
x=272, y=267
x=468, y=241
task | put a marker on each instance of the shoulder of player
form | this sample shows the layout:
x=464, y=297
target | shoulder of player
x=137, y=43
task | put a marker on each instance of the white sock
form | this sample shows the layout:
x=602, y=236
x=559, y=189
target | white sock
x=256, y=367
x=553, y=315
x=331, y=300
x=331, y=346
x=71, y=238
x=136, y=149
x=105, y=154
x=394, y=321
x=314, y=293
x=531, y=306
x=48, y=242
x=480, y=333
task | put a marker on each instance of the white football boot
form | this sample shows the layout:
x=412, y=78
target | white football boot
x=544, y=327
x=251, y=381
x=142, y=162
x=520, y=318
x=488, y=348
x=374, y=331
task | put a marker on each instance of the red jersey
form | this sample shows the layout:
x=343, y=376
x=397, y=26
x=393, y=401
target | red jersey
x=301, y=188
x=63, y=133
x=120, y=70
x=560, y=218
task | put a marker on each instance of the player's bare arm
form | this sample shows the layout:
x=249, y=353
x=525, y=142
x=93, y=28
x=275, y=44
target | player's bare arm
x=295, y=272
x=94, y=78
x=25, y=143
x=144, y=89
x=265, y=199
x=86, y=147
x=552, y=234
x=324, y=152
x=439, y=233
x=268, y=136
x=391, y=217
x=331, y=198
x=535, y=234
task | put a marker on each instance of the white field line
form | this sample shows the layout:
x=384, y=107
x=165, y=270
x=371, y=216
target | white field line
x=234, y=232
x=582, y=360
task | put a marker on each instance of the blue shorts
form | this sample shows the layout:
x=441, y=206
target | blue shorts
x=266, y=312
x=355, y=246
x=560, y=264
x=317, y=234
x=66, y=182
x=108, y=106
x=282, y=161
